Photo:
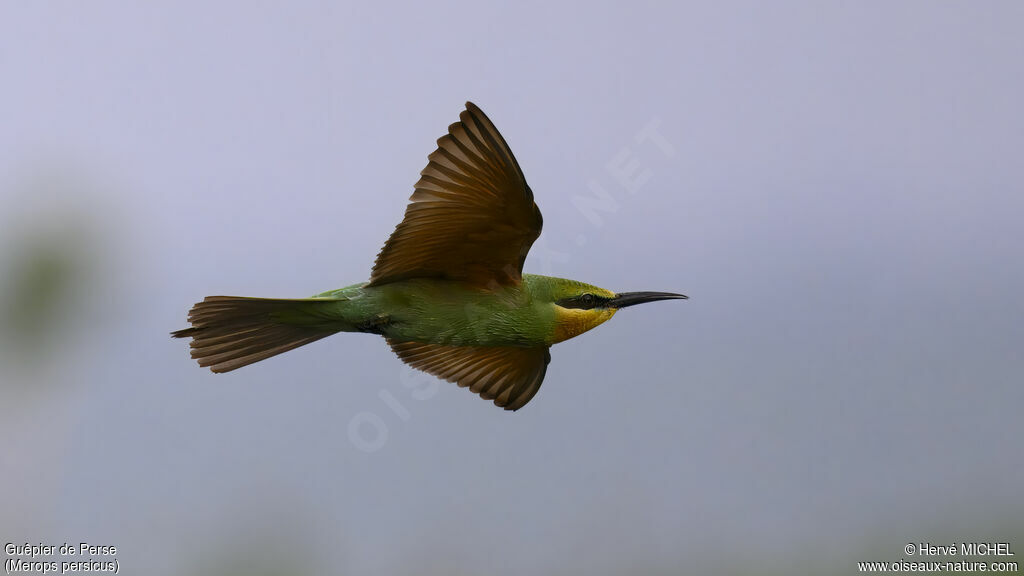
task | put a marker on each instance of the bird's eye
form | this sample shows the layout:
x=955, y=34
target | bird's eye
x=587, y=299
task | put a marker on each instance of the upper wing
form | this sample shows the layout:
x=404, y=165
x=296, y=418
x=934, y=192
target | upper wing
x=508, y=375
x=472, y=217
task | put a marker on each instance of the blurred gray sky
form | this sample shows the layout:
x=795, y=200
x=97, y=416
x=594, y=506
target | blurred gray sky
x=841, y=197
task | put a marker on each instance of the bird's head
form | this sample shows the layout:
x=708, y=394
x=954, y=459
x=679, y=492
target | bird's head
x=580, y=307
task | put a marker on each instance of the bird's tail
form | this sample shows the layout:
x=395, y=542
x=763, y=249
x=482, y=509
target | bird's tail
x=229, y=332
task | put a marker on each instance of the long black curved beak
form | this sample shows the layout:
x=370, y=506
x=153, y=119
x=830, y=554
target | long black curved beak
x=632, y=298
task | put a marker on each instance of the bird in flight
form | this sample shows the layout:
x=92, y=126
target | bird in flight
x=447, y=291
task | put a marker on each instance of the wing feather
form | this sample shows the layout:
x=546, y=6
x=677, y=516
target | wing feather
x=471, y=218
x=509, y=376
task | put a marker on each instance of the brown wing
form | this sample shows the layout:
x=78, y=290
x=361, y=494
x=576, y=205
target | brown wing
x=508, y=375
x=472, y=217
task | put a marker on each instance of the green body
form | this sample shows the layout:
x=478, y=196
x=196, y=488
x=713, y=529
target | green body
x=443, y=312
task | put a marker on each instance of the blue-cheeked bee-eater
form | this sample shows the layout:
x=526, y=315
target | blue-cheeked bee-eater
x=447, y=291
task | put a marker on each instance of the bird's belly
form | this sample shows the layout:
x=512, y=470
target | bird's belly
x=470, y=328
x=451, y=314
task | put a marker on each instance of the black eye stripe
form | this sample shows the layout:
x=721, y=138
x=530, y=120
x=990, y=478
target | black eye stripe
x=583, y=301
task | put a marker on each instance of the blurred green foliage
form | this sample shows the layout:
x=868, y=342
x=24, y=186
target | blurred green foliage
x=50, y=258
x=38, y=294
